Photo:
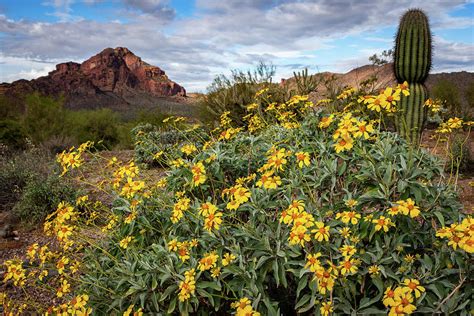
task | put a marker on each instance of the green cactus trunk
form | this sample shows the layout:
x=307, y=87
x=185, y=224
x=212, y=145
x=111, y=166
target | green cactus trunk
x=412, y=113
x=412, y=64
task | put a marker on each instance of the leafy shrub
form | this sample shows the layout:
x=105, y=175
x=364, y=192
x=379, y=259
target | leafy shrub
x=41, y=196
x=232, y=94
x=94, y=125
x=155, y=146
x=449, y=93
x=12, y=134
x=44, y=117
x=300, y=218
x=460, y=156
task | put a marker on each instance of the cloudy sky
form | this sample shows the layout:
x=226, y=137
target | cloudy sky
x=195, y=40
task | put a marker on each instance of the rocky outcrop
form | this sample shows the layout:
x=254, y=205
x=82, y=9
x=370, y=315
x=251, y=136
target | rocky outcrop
x=114, y=78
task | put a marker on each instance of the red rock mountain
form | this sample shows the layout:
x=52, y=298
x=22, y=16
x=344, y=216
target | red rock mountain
x=114, y=78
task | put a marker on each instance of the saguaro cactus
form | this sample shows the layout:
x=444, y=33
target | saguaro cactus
x=412, y=64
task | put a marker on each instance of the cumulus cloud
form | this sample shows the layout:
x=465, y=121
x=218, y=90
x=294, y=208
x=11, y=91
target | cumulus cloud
x=222, y=35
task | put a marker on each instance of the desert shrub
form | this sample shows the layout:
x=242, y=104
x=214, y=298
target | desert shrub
x=232, y=94
x=460, y=157
x=44, y=117
x=12, y=134
x=41, y=196
x=94, y=125
x=17, y=168
x=292, y=217
x=157, y=146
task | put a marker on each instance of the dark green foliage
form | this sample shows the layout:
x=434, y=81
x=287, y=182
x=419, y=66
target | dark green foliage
x=97, y=125
x=44, y=117
x=413, y=48
x=412, y=63
x=412, y=115
x=234, y=93
x=448, y=93
x=29, y=187
x=12, y=134
x=41, y=196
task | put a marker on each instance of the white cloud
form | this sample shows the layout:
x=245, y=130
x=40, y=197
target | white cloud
x=223, y=35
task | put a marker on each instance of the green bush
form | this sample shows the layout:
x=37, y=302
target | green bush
x=157, y=146
x=449, y=94
x=41, y=196
x=235, y=93
x=44, y=117
x=12, y=134
x=270, y=205
x=94, y=125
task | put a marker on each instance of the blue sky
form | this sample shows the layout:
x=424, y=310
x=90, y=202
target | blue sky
x=195, y=40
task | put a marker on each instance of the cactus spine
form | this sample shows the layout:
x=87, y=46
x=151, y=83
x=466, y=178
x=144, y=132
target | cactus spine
x=412, y=64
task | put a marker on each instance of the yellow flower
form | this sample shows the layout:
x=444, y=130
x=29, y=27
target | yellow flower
x=348, y=250
x=388, y=297
x=269, y=181
x=199, y=174
x=326, y=121
x=187, y=286
x=343, y=144
x=213, y=221
x=348, y=266
x=351, y=203
x=61, y=264
x=183, y=251
x=302, y=158
x=409, y=258
x=227, y=259
x=408, y=207
x=402, y=302
x=312, y=262
x=375, y=104
x=374, y=270
x=208, y=261
x=363, y=130
x=326, y=308
x=173, y=245
x=321, y=232
x=125, y=242
x=188, y=149
x=382, y=223
x=63, y=289
x=299, y=235
x=207, y=208
x=349, y=217
x=414, y=286
x=403, y=88
x=215, y=272
x=345, y=232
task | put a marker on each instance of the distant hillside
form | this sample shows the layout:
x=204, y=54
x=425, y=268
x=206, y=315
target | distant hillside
x=114, y=78
x=385, y=77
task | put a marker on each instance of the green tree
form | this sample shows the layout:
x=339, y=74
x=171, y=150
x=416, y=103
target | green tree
x=44, y=117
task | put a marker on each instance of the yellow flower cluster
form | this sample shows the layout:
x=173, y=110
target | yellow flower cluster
x=61, y=224
x=209, y=261
x=238, y=195
x=199, y=174
x=406, y=207
x=132, y=187
x=303, y=224
x=346, y=93
x=401, y=299
x=433, y=105
x=188, y=149
x=129, y=311
x=386, y=100
x=212, y=216
x=459, y=235
x=187, y=286
x=183, y=249
x=450, y=125
x=243, y=307
x=15, y=272
x=72, y=158
x=181, y=205
x=348, y=128
x=76, y=306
